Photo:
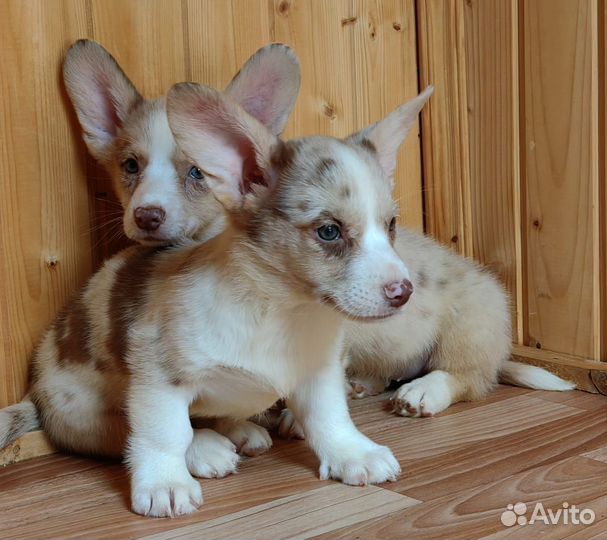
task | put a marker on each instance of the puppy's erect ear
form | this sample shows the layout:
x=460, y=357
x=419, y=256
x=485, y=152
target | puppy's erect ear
x=388, y=134
x=267, y=85
x=232, y=148
x=101, y=93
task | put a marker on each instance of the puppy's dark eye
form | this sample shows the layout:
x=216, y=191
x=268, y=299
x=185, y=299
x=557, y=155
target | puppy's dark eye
x=131, y=166
x=195, y=173
x=329, y=233
x=392, y=226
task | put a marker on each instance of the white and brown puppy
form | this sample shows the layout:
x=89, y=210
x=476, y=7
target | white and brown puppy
x=453, y=339
x=228, y=327
x=164, y=195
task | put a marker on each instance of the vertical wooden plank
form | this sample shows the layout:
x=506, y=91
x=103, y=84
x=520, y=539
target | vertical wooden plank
x=442, y=62
x=44, y=221
x=560, y=174
x=358, y=64
x=491, y=47
x=222, y=34
x=325, y=49
x=385, y=75
x=146, y=38
x=602, y=118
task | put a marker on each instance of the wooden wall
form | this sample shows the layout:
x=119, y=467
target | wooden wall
x=512, y=155
x=514, y=163
x=358, y=62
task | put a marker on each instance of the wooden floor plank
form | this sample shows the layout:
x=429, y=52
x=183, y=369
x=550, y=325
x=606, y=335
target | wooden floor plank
x=599, y=454
x=419, y=438
x=476, y=464
x=476, y=513
x=579, y=400
x=299, y=516
x=465, y=466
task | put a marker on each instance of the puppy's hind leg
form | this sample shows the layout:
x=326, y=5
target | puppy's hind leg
x=211, y=455
x=250, y=439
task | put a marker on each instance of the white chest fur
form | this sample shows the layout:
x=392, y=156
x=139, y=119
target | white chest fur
x=240, y=357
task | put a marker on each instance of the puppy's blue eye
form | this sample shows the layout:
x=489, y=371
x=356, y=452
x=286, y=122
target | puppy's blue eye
x=131, y=166
x=195, y=173
x=329, y=233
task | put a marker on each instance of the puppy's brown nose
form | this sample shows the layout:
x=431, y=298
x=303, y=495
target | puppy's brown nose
x=398, y=293
x=149, y=218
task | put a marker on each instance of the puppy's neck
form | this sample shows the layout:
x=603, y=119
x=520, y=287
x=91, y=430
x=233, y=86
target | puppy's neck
x=244, y=269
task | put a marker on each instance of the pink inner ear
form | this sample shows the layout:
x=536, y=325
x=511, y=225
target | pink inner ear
x=108, y=120
x=258, y=100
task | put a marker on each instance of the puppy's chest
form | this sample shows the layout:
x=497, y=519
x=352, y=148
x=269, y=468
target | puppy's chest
x=244, y=368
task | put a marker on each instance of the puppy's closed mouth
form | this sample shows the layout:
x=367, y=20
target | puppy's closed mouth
x=151, y=240
x=357, y=317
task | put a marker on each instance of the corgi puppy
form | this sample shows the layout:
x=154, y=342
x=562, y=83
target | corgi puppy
x=226, y=328
x=452, y=342
x=154, y=179
x=164, y=196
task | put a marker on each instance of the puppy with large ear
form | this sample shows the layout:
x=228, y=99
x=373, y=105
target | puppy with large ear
x=164, y=195
x=232, y=148
x=102, y=94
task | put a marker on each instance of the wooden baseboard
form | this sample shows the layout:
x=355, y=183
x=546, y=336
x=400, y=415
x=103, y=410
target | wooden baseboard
x=588, y=375
x=31, y=445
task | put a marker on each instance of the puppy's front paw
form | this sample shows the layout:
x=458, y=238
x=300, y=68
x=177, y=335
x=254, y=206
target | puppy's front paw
x=371, y=465
x=166, y=499
x=249, y=438
x=423, y=397
x=211, y=455
x=288, y=427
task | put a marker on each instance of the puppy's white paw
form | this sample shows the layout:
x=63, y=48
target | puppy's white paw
x=371, y=464
x=360, y=387
x=211, y=455
x=425, y=396
x=249, y=438
x=288, y=427
x=166, y=499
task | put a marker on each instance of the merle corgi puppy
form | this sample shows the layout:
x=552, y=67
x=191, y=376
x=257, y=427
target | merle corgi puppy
x=164, y=195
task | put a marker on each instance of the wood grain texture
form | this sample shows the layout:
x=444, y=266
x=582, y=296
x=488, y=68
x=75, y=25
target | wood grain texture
x=475, y=513
x=464, y=467
x=358, y=63
x=560, y=174
x=384, y=72
x=31, y=445
x=304, y=515
x=599, y=454
x=220, y=36
x=602, y=101
x=491, y=48
x=446, y=159
x=44, y=202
